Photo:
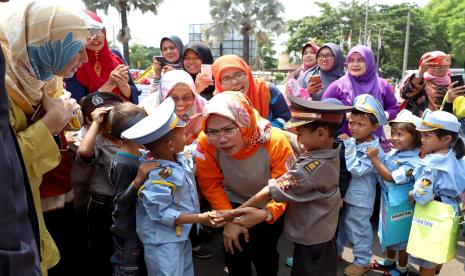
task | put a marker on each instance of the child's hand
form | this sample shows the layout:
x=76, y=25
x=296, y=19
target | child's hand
x=143, y=171
x=223, y=216
x=207, y=218
x=372, y=153
x=250, y=216
x=343, y=136
x=410, y=197
x=99, y=113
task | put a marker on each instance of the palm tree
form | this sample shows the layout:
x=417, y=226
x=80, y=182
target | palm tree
x=223, y=23
x=123, y=6
x=249, y=17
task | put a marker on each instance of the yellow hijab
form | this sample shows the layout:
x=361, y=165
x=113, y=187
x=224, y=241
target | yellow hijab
x=39, y=40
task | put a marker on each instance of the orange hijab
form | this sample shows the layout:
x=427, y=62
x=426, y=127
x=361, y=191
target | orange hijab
x=259, y=90
x=235, y=106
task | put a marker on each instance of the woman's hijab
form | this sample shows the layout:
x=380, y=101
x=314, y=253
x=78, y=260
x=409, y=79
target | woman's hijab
x=170, y=79
x=39, y=40
x=94, y=73
x=258, y=92
x=205, y=55
x=236, y=107
x=179, y=45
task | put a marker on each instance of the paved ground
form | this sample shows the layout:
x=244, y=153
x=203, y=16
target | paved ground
x=215, y=266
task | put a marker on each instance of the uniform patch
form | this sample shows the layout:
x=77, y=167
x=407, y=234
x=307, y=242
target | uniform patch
x=187, y=155
x=290, y=162
x=165, y=172
x=409, y=173
x=286, y=183
x=312, y=166
x=425, y=183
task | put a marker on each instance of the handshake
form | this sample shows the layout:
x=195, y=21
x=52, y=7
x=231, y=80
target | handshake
x=243, y=216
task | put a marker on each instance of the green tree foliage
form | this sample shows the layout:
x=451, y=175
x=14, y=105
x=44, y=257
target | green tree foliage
x=425, y=34
x=268, y=56
x=141, y=56
x=250, y=17
x=123, y=6
x=447, y=18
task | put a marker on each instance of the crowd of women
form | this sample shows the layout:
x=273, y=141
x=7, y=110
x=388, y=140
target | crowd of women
x=75, y=216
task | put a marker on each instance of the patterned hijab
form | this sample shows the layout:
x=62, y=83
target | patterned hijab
x=39, y=40
x=236, y=107
x=432, y=82
x=170, y=79
x=94, y=73
x=259, y=91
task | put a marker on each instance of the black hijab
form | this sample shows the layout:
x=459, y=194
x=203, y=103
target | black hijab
x=205, y=55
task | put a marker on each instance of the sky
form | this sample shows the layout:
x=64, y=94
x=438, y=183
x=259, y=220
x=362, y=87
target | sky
x=174, y=17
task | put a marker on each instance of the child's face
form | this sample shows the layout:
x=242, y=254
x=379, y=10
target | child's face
x=401, y=139
x=179, y=139
x=311, y=140
x=361, y=127
x=432, y=143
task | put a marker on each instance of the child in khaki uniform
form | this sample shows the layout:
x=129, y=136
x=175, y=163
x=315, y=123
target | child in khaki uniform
x=310, y=187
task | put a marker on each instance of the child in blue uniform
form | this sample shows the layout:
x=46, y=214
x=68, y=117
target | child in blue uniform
x=397, y=169
x=441, y=175
x=167, y=203
x=354, y=225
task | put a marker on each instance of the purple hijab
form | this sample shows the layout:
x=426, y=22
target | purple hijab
x=368, y=83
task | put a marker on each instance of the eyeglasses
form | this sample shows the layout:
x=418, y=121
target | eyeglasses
x=183, y=98
x=239, y=76
x=95, y=32
x=228, y=132
x=326, y=56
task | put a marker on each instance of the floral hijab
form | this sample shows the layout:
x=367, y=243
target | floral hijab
x=236, y=107
x=39, y=40
x=259, y=91
x=174, y=77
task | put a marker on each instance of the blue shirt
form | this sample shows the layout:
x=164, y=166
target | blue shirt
x=169, y=191
x=279, y=110
x=362, y=186
x=440, y=176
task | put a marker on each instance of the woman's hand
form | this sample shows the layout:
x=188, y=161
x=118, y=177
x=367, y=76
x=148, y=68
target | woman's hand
x=454, y=92
x=156, y=67
x=426, y=65
x=202, y=81
x=313, y=87
x=58, y=111
x=231, y=234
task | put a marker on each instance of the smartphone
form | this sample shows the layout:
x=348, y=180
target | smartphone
x=161, y=60
x=442, y=60
x=206, y=69
x=458, y=78
x=315, y=79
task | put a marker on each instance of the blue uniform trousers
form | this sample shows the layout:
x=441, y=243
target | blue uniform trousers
x=169, y=259
x=355, y=228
